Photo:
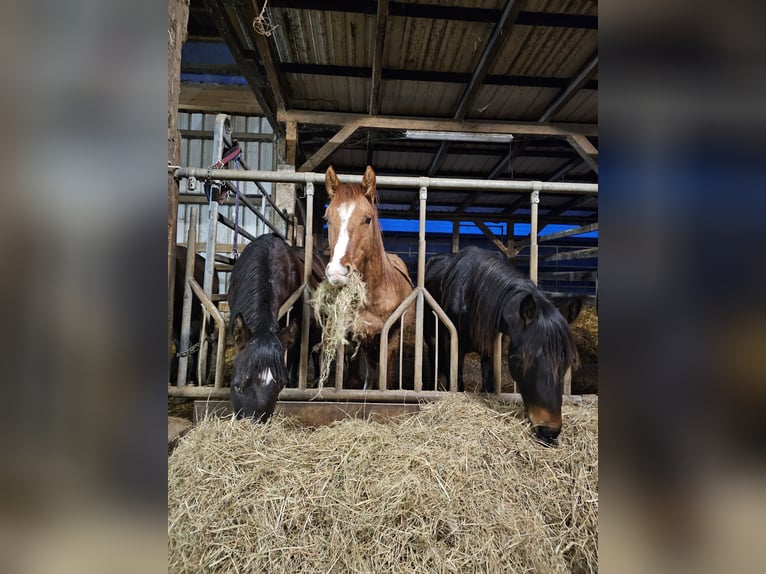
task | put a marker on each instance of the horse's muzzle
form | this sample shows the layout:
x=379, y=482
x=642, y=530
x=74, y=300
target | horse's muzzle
x=337, y=275
x=547, y=435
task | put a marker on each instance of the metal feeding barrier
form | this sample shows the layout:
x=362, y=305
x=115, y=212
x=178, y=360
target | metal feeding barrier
x=419, y=295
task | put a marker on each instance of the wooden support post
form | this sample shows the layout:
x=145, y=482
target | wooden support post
x=455, y=236
x=178, y=16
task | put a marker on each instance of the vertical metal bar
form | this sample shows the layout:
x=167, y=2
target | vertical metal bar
x=340, y=358
x=455, y=236
x=497, y=363
x=307, y=261
x=421, y=285
x=220, y=134
x=535, y=204
x=401, y=349
x=183, y=344
x=435, y=366
x=568, y=381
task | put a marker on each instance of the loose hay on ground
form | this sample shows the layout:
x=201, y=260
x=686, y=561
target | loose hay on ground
x=459, y=487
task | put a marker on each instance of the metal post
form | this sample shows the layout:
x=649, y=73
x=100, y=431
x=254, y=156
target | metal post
x=183, y=344
x=455, y=236
x=535, y=203
x=220, y=134
x=307, y=261
x=421, y=285
x=497, y=363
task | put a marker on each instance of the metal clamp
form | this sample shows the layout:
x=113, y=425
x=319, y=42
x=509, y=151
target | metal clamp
x=423, y=193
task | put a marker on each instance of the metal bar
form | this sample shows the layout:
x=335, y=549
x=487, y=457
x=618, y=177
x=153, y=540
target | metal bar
x=566, y=233
x=453, y=338
x=497, y=364
x=435, y=351
x=401, y=348
x=340, y=363
x=221, y=133
x=220, y=323
x=578, y=254
x=183, y=344
x=455, y=236
x=383, y=364
x=391, y=180
x=230, y=224
x=307, y=261
x=261, y=213
x=568, y=382
x=419, y=306
x=535, y=204
x=371, y=396
x=287, y=305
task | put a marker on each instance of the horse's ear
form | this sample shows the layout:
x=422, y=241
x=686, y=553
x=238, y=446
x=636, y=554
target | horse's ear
x=331, y=181
x=241, y=333
x=574, y=306
x=528, y=309
x=368, y=183
x=288, y=335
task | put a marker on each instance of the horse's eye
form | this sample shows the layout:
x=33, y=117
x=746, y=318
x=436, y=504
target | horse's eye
x=237, y=387
x=367, y=219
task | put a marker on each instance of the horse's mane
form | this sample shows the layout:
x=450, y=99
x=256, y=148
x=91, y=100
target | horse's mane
x=493, y=292
x=251, y=289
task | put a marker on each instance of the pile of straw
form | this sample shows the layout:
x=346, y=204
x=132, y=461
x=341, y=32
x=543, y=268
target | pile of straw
x=459, y=487
x=337, y=310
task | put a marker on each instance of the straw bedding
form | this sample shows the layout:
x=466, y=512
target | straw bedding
x=459, y=487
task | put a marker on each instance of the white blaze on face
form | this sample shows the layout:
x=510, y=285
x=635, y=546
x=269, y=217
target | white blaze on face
x=336, y=273
x=267, y=377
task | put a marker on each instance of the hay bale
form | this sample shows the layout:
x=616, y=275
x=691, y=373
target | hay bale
x=459, y=487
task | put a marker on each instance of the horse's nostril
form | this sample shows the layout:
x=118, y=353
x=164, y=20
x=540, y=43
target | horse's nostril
x=547, y=435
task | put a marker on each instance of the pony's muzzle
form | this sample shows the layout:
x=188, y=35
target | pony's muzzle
x=337, y=274
x=547, y=435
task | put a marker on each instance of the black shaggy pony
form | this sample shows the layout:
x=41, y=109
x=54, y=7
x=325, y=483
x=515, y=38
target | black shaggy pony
x=484, y=296
x=267, y=272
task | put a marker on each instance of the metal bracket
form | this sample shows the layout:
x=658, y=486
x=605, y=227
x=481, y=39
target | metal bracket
x=423, y=193
x=534, y=197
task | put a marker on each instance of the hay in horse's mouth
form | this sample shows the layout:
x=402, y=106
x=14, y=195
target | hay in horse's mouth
x=337, y=311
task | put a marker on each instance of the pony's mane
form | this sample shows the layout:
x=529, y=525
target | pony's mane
x=494, y=290
x=250, y=291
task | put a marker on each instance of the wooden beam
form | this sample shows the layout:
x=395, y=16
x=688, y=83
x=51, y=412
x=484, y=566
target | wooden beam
x=377, y=58
x=250, y=72
x=438, y=159
x=492, y=237
x=437, y=124
x=291, y=142
x=586, y=150
x=566, y=94
x=561, y=234
x=212, y=98
x=507, y=160
x=327, y=149
x=514, y=204
x=492, y=48
x=266, y=51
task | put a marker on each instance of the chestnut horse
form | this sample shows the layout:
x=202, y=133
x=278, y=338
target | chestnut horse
x=356, y=244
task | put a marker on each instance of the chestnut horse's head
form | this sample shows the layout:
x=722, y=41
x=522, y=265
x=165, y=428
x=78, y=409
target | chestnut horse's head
x=352, y=225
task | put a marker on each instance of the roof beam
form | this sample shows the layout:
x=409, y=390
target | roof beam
x=566, y=94
x=433, y=11
x=514, y=205
x=493, y=238
x=570, y=204
x=420, y=75
x=586, y=150
x=508, y=159
x=491, y=49
x=327, y=149
x=565, y=169
x=250, y=72
x=377, y=58
x=436, y=124
x=266, y=51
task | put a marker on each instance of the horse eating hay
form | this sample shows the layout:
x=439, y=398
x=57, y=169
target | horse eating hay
x=484, y=296
x=356, y=244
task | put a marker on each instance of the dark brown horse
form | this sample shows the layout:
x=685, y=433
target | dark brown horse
x=356, y=244
x=485, y=296
x=263, y=278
